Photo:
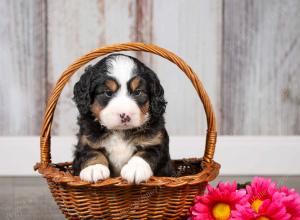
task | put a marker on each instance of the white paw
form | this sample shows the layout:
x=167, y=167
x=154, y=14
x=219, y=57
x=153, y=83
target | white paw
x=94, y=173
x=136, y=170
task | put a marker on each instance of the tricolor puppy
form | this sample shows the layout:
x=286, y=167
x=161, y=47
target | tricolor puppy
x=122, y=128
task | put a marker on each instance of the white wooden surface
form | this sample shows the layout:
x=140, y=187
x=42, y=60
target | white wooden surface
x=238, y=155
x=245, y=52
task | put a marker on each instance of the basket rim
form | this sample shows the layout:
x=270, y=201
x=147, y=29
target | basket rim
x=207, y=174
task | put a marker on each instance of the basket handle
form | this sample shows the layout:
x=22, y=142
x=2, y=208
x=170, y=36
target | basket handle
x=133, y=46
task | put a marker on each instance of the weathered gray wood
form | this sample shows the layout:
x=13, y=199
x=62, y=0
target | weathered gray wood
x=260, y=81
x=144, y=28
x=75, y=28
x=258, y=90
x=193, y=31
x=27, y=198
x=22, y=61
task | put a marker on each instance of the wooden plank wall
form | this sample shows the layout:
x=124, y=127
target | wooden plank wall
x=23, y=65
x=193, y=31
x=261, y=68
x=246, y=53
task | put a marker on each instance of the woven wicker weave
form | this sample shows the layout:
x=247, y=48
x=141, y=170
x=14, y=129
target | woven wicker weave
x=114, y=198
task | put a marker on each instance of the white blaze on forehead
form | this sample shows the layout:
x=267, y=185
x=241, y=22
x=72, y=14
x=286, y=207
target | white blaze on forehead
x=121, y=68
x=122, y=104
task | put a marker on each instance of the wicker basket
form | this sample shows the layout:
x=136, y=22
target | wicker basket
x=114, y=198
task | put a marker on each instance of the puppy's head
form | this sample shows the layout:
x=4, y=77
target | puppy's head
x=120, y=92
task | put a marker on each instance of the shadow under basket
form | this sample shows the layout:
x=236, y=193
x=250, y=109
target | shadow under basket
x=114, y=198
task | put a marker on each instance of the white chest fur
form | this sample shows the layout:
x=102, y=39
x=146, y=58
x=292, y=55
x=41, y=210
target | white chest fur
x=119, y=150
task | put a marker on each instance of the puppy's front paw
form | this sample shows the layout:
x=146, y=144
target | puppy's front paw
x=136, y=170
x=94, y=173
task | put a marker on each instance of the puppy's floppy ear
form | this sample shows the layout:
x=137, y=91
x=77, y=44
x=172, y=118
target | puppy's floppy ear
x=82, y=96
x=157, y=100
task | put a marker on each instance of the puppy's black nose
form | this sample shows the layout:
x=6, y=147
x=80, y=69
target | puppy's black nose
x=125, y=118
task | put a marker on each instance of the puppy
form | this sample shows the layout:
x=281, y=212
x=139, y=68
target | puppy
x=122, y=128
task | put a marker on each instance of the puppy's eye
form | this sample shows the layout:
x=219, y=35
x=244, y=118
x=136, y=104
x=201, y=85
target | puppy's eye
x=108, y=93
x=137, y=92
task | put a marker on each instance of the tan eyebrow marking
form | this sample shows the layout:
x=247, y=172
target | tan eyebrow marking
x=134, y=83
x=112, y=85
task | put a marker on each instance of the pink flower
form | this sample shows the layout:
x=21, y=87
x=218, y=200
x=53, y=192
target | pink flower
x=261, y=200
x=270, y=209
x=260, y=189
x=291, y=201
x=265, y=202
x=218, y=203
x=243, y=213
